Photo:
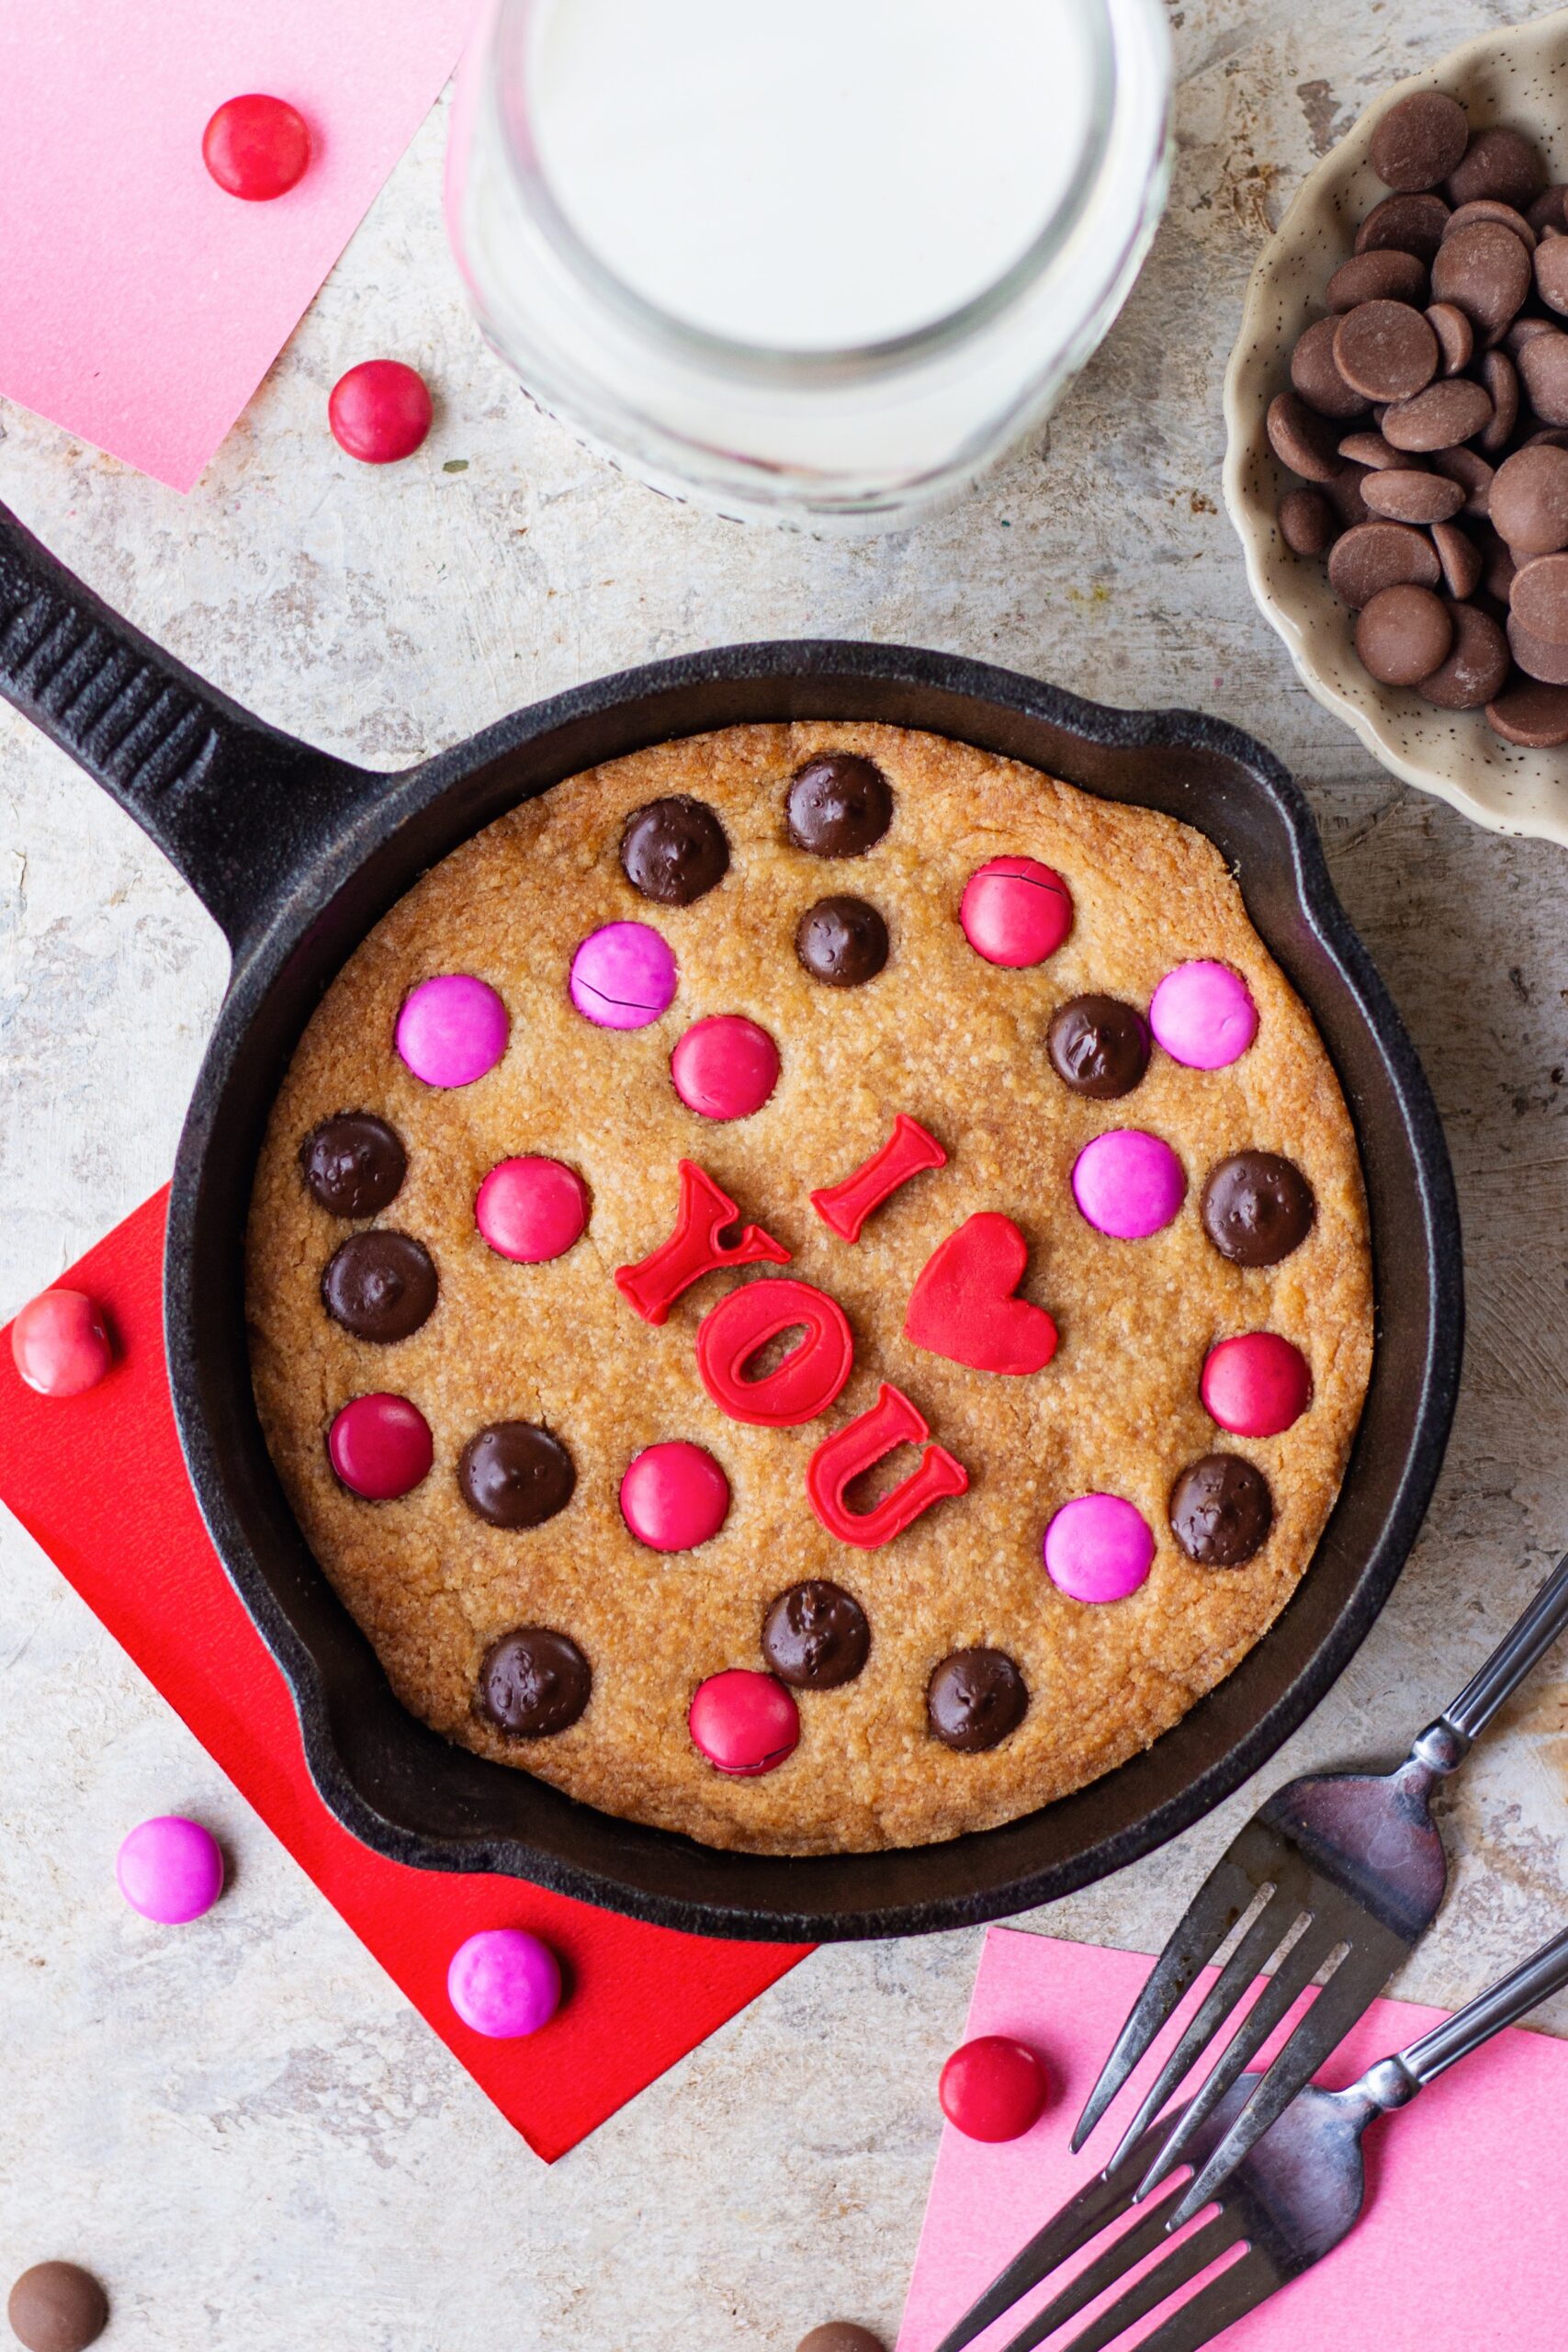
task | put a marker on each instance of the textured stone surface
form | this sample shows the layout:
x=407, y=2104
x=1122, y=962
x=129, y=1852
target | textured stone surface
x=244, y=2129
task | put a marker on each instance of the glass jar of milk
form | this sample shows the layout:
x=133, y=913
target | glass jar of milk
x=810, y=261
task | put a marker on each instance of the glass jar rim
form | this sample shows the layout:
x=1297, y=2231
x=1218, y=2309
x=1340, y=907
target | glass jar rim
x=683, y=339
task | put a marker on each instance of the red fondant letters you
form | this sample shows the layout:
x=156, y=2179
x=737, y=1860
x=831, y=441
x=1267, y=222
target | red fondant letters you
x=857, y=1447
x=807, y=1380
x=651, y=1287
x=909, y=1149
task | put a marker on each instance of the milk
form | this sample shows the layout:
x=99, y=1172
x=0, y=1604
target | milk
x=809, y=175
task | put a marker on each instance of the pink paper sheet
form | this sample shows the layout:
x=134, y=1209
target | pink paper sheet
x=140, y=305
x=1461, y=2238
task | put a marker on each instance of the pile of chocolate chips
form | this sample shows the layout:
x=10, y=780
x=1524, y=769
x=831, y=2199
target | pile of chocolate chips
x=1428, y=417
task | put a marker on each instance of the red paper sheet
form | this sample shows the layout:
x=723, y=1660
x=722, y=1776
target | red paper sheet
x=131, y=1542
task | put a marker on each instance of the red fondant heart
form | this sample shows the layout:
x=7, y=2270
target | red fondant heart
x=963, y=1305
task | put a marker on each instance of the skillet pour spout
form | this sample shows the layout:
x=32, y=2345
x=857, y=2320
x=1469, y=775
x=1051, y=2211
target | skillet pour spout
x=298, y=855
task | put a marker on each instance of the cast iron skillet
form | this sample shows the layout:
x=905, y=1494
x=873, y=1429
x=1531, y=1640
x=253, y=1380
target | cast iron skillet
x=297, y=855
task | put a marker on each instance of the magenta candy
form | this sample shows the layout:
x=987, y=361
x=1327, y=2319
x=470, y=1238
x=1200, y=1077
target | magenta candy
x=380, y=1446
x=61, y=1344
x=726, y=1067
x=623, y=977
x=1015, y=911
x=1203, y=1015
x=1255, y=1384
x=452, y=1029
x=531, y=1210
x=674, y=1496
x=745, y=1724
x=1099, y=1548
x=380, y=412
x=504, y=1981
x=170, y=1870
x=1128, y=1184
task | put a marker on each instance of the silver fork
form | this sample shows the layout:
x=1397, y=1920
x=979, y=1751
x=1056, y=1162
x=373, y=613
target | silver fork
x=1345, y=1864
x=1289, y=2202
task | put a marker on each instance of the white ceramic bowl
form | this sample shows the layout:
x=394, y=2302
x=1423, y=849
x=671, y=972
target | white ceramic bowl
x=1518, y=76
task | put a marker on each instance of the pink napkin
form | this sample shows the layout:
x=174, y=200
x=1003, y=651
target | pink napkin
x=1461, y=2238
x=140, y=305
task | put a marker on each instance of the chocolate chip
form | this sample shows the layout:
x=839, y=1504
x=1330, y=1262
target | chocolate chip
x=1385, y=351
x=380, y=1285
x=1412, y=225
x=1460, y=559
x=1488, y=208
x=1477, y=669
x=842, y=941
x=1344, y=495
x=1497, y=563
x=674, y=849
x=1533, y=715
x=1498, y=162
x=1551, y=273
x=515, y=1474
x=1257, y=1208
x=1440, y=417
x=1375, y=556
x=815, y=1636
x=840, y=2336
x=1474, y=475
x=975, y=1698
x=1409, y=497
x=354, y=1164
x=1403, y=635
x=1308, y=525
x=1536, y=656
x=1099, y=1045
x=1501, y=379
x=1540, y=598
x=1302, y=439
x=1371, y=450
x=1315, y=372
x=1530, y=500
x=1384, y=275
x=1419, y=141
x=1221, y=1511
x=839, y=806
x=1547, y=211
x=1525, y=330
x=1456, y=336
x=534, y=1683
x=1543, y=364
x=1486, y=271
x=57, y=2307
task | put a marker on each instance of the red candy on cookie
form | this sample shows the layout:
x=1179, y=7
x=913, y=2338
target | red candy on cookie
x=725, y=1068
x=532, y=1209
x=674, y=1496
x=745, y=1724
x=60, y=1343
x=380, y=1446
x=1015, y=911
x=256, y=147
x=380, y=412
x=963, y=1305
x=1256, y=1384
x=994, y=2087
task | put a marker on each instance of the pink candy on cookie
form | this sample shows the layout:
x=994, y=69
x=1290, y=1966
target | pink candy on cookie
x=1128, y=1184
x=623, y=975
x=504, y=1982
x=1255, y=1384
x=725, y=1068
x=380, y=1446
x=1203, y=1015
x=674, y=1496
x=452, y=1029
x=745, y=1724
x=1015, y=911
x=532, y=1209
x=170, y=1870
x=60, y=1343
x=1098, y=1547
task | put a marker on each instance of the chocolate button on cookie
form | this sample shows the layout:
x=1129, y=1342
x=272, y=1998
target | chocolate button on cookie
x=380, y=1285
x=839, y=806
x=842, y=941
x=675, y=851
x=815, y=1636
x=354, y=1164
x=975, y=1698
x=1256, y=1208
x=1221, y=1511
x=1099, y=1045
x=1419, y=141
x=515, y=1474
x=534, y=1683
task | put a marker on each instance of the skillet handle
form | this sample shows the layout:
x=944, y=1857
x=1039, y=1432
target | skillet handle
x=239, y=809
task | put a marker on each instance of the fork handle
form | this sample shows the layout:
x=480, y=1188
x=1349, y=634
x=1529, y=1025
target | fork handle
x=1504, y=2003
x=1520, y=1649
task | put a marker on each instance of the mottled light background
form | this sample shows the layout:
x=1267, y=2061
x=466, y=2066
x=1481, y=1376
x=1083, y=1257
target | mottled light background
x=244, y=2129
